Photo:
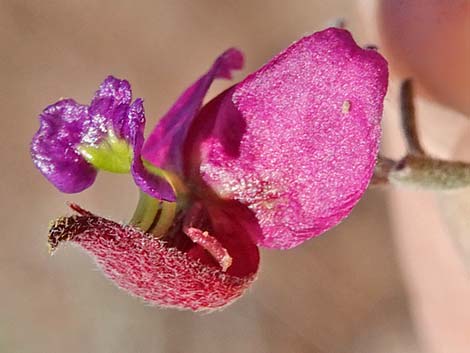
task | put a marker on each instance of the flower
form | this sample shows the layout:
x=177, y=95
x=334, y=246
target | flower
x=272, y=161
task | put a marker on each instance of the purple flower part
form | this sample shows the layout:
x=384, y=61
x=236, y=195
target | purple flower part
x=113, y=101
x=108, y=109
x=147, y=182
x=61, y=126
x=164, y=145
x=296, y=141
x=112, y=87
x=66, y=125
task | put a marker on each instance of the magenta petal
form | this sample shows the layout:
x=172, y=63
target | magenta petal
x=301, y=149
x=164, y=146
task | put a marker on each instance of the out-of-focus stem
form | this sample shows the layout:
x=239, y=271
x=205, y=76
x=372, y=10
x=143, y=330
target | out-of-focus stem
x=382, y=170
x=408, y=119
x=417, y=169
x=424, y=172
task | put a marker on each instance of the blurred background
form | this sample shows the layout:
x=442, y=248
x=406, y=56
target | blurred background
x=343, y=292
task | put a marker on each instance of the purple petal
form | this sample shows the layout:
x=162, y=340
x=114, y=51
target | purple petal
x=61, y=127
x=164, y=146
x=147, y=182
x=301, y=150
x=112, y=87
x=67, y=124
x=108, y=109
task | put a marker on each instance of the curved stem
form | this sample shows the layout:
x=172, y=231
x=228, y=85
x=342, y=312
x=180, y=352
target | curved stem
x=417, y=168
x=408, y=119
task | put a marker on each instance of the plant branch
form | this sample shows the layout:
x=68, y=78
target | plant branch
x=408, y=119
x=417, y=168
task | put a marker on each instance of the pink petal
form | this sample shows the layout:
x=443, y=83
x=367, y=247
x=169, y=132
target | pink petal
x=297, y=140
x=163, y=147
x=146, y=267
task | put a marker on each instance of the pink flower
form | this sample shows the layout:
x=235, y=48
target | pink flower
x=274, y=160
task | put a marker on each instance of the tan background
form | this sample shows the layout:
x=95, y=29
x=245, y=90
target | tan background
x=339, y=293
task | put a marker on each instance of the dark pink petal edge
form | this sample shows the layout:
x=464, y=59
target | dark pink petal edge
x=145, y=267
x=164, y=146
x=296, y=141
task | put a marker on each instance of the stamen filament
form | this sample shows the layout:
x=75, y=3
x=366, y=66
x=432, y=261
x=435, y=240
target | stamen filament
x=212, y=245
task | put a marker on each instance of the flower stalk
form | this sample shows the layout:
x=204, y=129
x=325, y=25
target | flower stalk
x=417, y=168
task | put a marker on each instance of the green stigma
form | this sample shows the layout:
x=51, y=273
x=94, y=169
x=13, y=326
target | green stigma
x=112, y=154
